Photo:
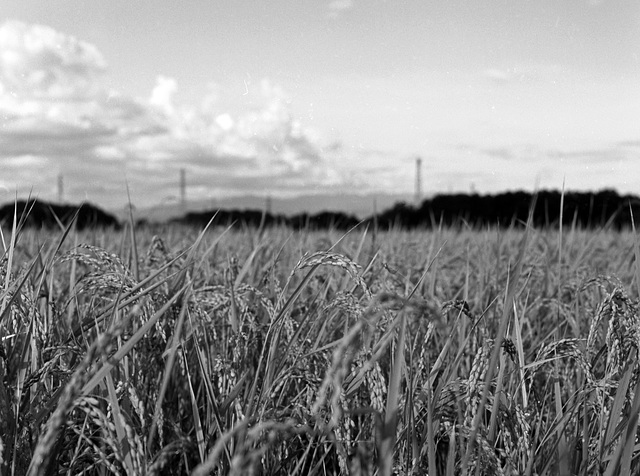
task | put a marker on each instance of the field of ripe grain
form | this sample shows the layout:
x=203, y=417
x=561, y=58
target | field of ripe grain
x=176, y=351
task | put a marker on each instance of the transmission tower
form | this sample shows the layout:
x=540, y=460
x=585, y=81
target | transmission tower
x=183, y=189
x=418, y=197
x=60, y=189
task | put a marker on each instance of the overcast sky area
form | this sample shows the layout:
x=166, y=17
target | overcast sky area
x=316, y=96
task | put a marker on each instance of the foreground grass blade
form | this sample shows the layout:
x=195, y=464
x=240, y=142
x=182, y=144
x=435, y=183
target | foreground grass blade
x=621, y=463
x=563, y=446
x=388, y=434
x=169, y=366
x=129, y=344
x=134, y=243
x=200, y=441
x=636, y=250
x=125, y=448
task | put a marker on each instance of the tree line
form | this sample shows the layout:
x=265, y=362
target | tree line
x=605, y=208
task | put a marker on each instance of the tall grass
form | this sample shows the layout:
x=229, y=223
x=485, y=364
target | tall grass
x=231, y=351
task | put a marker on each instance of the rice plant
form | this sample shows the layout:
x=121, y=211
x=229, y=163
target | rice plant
x=238, y=351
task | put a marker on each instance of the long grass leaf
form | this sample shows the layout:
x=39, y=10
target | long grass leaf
x=129, y=344
x=121, y=433
x=388, y=435
x=627, y=443
x=200, y=441
x=168, y=367
x=132, y=236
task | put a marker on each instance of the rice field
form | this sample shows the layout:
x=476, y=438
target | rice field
x=172, y=350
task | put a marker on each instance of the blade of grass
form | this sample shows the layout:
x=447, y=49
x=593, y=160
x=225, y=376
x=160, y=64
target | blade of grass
x=389, y=426
x=636, y=250
x=16, y=290
x=621, y=462
x=132, y=235
x=496, y=398
x=72, y=284
x=212, y=399
x=12, y=246
x=169, y=366
x=517, y=339
x=121, y=433
x=563, y=446
x=200, y=442
x=129, y=344
x=632, y=426
x=616, y=409
x=431, y=441
x=451, y=454
x=560, y=425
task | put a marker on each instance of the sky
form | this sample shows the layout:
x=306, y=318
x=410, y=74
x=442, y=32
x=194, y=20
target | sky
x=288, y=97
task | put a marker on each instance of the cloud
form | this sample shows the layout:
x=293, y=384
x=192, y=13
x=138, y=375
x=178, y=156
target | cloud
x=57, y=118
x=612, y=153
x=503, y=153
x=162, y=94
x=595, y=156
x=37, y=61
x=631, y=145
x=497, y=75
x=529, y=73
x=337, y=7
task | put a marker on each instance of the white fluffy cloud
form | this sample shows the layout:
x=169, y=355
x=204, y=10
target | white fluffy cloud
x=37, y=61
x=162, y=94
x=55, y=118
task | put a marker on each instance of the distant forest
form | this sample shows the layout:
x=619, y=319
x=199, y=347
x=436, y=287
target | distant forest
x=38, y=213
x=605, y=208
x=583, y=209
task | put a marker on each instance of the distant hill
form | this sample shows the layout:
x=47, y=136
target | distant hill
x=256, y=218
x=44, y=214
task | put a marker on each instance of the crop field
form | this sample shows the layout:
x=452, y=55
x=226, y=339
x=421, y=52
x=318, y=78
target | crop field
x=174, y=350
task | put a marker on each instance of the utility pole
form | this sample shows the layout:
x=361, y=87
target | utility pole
x=60, y=189
x=183, y=189
x=418, y=197
x=268, y=204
